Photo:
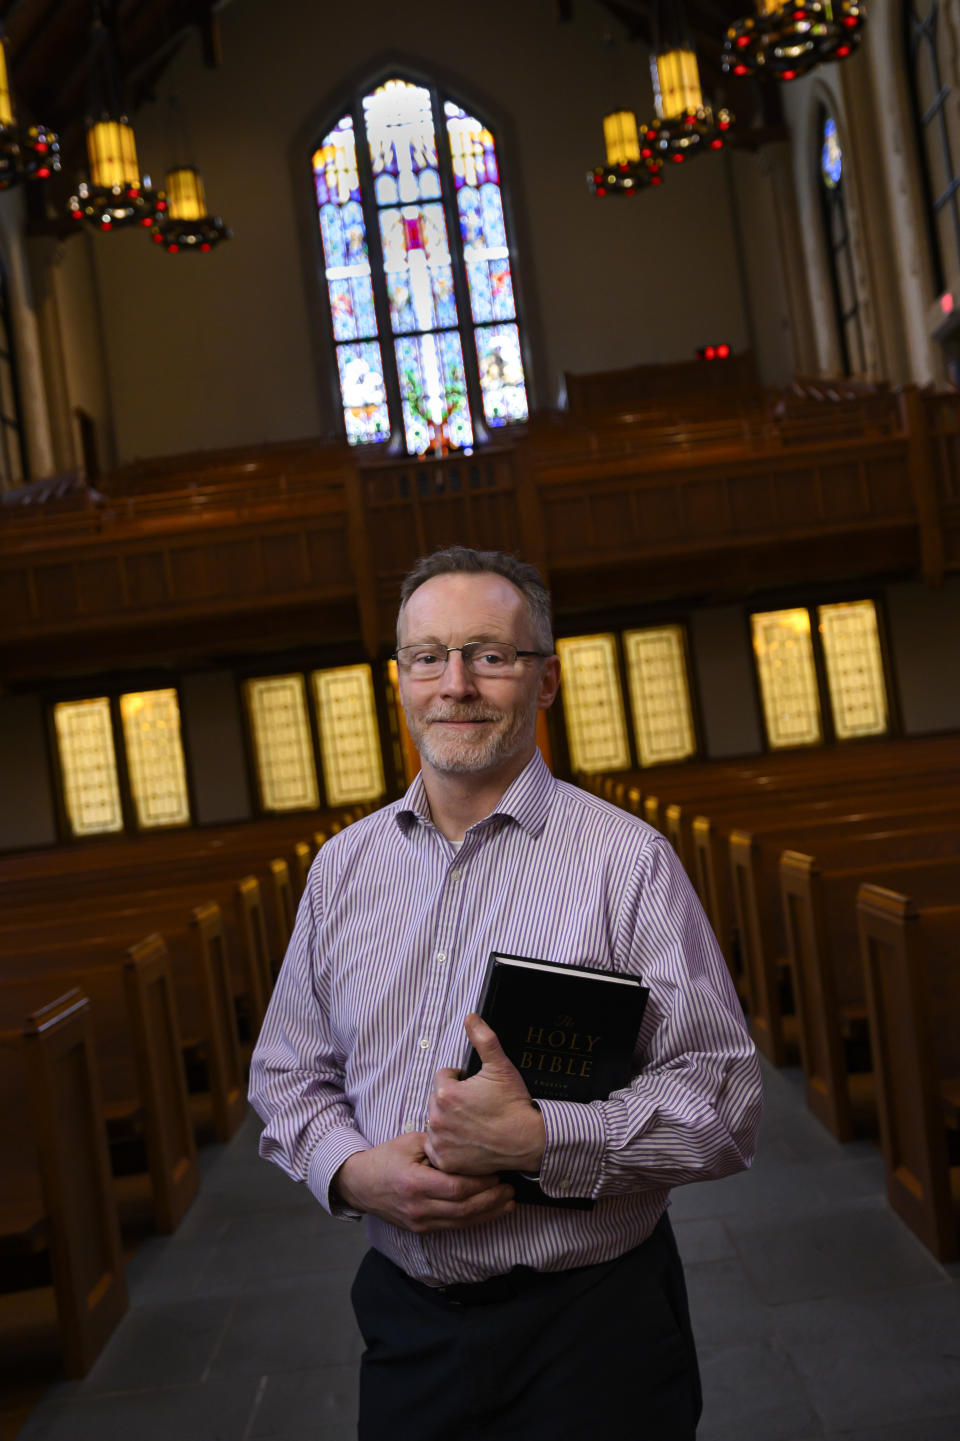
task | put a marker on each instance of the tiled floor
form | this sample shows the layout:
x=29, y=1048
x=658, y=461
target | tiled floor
x=817, y=1312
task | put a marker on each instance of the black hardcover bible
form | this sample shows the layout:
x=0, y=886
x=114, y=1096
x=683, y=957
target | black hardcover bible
x=569, y=1030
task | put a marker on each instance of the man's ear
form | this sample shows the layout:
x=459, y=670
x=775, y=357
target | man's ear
x=549, y=683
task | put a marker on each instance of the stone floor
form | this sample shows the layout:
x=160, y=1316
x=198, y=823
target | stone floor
x=817, y=1312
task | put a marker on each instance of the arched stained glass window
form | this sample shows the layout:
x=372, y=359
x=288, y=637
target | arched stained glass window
x=930, y=94
x=418, y=272
x=839, y=249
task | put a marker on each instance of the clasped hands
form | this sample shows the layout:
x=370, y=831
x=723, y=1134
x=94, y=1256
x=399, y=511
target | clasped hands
x=447, y=1178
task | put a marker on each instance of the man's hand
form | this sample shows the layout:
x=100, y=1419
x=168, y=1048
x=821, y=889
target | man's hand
x=487, y=1123
x=396, y=1182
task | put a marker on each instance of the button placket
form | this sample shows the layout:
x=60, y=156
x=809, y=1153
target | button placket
x=429, y=1023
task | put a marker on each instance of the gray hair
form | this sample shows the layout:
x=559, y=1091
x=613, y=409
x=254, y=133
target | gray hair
x=461, y=560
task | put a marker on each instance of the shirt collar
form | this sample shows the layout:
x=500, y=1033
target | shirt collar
x=526, y=800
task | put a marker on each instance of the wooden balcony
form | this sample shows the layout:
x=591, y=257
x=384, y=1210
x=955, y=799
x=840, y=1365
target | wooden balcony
x=287, y=545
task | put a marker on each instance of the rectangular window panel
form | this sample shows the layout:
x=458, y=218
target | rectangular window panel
x=287, y=776
x=788, y=679
x=364, y=400
x=349, y=735
x=433, y=387
x=501, y=374
x=659, y=694
x=419, y=276
x=88, y=764
x=851, y=648
x=593, y=704
x=158, y=778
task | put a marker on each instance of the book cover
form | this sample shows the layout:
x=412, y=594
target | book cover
x=569, y=1030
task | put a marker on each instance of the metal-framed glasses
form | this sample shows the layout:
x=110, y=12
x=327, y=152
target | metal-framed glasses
x=425, y=661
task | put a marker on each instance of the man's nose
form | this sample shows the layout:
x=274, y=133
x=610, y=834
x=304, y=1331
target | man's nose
x=457, y=679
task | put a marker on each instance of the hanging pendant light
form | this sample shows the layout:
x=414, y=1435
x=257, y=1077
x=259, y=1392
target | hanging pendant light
x=787, y=41
x=685, y=124
x=630, y=166
x=116, y=195
x=188, y=225
x=26, y=153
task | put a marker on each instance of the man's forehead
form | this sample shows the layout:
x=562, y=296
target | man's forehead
x=471, y=599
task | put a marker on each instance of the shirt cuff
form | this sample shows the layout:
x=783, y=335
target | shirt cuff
x=573, y=1154
x=333, y=1149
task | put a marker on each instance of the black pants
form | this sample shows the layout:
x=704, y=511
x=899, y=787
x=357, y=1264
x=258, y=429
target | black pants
x=601, y=1351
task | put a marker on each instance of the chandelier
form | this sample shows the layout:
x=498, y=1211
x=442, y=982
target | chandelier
x=785, y=41
x=685, y=125
x=115, y=195
x=630, y=167
x=188, y=225
x=26, y=152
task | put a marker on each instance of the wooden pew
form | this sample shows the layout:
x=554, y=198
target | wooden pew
x=254, y=948
x=221, y=1049
x=155, y=1032
x=758, y=916
x=284, y=906
x=909, y=956
x=828, y=985
x=139, y=1066
x=56, y=1198
x=302, y=859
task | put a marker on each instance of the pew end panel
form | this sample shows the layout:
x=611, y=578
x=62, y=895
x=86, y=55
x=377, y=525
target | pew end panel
x=818, y=1011
x=67, y=1110
x=758, y=949
x=224, y=1066
x=254, y=948
x=909, y=1076
x=171, y=1146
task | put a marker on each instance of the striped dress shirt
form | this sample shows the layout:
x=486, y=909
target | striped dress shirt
x=387, y=957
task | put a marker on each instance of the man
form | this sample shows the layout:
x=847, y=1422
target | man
x=484, y=1317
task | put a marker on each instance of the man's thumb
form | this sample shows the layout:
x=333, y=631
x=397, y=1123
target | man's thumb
x=484, y=1042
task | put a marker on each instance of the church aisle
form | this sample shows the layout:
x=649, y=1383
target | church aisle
x=817, y=1312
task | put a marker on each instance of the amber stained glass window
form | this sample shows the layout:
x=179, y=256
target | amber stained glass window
x=286, y=773
x=783, y=649
x=659, y=694
x=593, y=704
x=349, y=735
x=851, y=649
x=158, y=778
x=88, y=765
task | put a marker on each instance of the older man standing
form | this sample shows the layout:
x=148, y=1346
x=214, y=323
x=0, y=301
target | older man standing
x=484, y=1317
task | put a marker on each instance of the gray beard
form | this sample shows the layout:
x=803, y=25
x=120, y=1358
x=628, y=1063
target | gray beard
x=464, y=757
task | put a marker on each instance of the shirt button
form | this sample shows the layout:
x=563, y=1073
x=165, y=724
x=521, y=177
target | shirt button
x=408, y=1127
x=441, y=955
x=424, y=1042
x=454, y=875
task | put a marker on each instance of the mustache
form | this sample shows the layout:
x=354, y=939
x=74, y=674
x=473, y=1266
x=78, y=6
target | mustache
x=463, y=713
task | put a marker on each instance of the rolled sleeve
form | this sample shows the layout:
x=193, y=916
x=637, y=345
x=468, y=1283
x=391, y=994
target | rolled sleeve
x=573, y=1155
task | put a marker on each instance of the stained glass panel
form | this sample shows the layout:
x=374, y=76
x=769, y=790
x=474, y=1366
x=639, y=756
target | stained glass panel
x=416, y=259
x=364, y=399
x=501, y=374
x=433, y=388
x=286, y=773
x=158, y=778
x=788, y=679
x=349, y=284
x=851, y=648
x=482, y=227
x=349, y=735
x=403, y=147
x=659, y=694
x=593, y=704
x=88, y=764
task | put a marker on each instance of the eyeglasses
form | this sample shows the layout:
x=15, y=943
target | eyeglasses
x=480, y=657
